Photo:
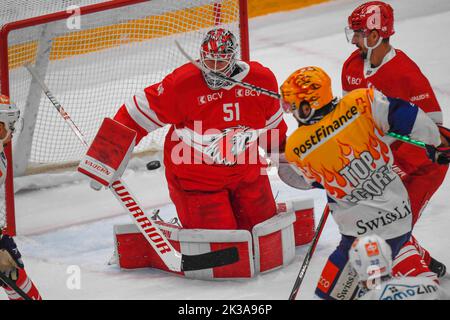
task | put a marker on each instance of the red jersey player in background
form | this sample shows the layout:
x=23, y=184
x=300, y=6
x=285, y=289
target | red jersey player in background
x=213, y=168
x=11, y=264
x=378, y=65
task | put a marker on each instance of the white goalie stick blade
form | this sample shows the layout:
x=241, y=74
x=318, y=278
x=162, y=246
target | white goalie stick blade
x=173, y=259
x=269, y=93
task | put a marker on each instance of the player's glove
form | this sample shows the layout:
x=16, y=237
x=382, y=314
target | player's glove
x=10, y=257
x=440, y=155
x=445, y=133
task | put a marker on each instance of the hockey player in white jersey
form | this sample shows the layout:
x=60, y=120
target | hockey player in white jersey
x=371, y=258
x=11, y=264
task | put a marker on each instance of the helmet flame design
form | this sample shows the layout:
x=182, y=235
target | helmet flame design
x=308, y=84
x=373, y=15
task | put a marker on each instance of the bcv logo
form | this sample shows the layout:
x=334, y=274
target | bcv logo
x=209, y=97
x=247, y=93
x=354, y=81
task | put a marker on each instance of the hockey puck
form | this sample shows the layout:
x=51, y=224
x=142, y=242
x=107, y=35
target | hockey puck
x=153, y=165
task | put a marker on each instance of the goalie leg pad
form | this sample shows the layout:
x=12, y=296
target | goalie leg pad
x=274, y=242
x=133, y=251
x=196, y=241
x=304, y=225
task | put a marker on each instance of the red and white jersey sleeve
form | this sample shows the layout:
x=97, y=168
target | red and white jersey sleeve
x=398, y=77
x=277, y=128
x=152, y=108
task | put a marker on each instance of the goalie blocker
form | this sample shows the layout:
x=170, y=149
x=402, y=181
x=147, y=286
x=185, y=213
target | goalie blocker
x=269, y=246
x=106, y=167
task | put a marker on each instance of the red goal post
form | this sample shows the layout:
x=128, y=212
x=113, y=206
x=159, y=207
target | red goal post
x=117, y=48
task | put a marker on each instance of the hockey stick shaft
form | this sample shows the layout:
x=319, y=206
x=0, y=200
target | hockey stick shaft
x=57, y=105
x=309, y=254
x=407, y=139
x=10, y=283
x=174, y=260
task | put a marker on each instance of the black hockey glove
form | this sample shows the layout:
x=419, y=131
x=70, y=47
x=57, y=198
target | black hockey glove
x=10, y=257
x=440, y=155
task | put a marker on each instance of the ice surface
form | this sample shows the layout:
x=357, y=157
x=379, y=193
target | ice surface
x=72, y=225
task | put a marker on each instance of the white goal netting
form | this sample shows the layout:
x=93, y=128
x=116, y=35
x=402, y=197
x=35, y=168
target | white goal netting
x=93, y=63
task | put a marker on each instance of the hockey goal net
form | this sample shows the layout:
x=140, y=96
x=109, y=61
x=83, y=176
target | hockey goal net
x=93, y=57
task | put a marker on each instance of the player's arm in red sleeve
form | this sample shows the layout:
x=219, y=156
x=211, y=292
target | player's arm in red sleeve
x=151, y=109
x=422, y=95
x=344, y=82
x=274, y=140
x=346, y=88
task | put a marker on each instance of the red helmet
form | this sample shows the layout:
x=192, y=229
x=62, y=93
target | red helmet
x=373, y=15
x=218, y=53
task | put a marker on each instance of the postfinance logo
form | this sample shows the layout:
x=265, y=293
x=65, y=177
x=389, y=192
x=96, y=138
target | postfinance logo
x=325, y=131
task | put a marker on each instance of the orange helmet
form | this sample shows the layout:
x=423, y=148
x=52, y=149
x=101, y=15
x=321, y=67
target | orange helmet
x=308, y=85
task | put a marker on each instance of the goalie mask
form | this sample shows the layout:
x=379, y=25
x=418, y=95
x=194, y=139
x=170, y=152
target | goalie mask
x=371, y=257
x=9, y=114
x=218, y=54
x=307, y=94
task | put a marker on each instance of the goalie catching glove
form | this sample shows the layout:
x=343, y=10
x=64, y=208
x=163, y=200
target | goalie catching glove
x=440, y=154
x=109, y=153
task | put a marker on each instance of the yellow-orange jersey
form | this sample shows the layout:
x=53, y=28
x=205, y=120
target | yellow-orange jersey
x=346, y=154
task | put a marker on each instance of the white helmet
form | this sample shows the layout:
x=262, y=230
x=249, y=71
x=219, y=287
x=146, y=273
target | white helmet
x=9, y=113
x=371, y=257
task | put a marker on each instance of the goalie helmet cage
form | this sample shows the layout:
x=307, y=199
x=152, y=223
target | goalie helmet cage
x=93, y=58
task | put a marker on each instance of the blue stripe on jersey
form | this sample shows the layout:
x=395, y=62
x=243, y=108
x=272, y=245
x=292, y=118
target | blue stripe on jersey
x=402, y=116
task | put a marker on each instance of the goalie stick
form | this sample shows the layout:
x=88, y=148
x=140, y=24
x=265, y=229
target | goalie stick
x=12, y=284
x=173, y=259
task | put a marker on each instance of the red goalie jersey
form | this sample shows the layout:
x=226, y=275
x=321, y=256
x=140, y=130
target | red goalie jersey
x=215, y=134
